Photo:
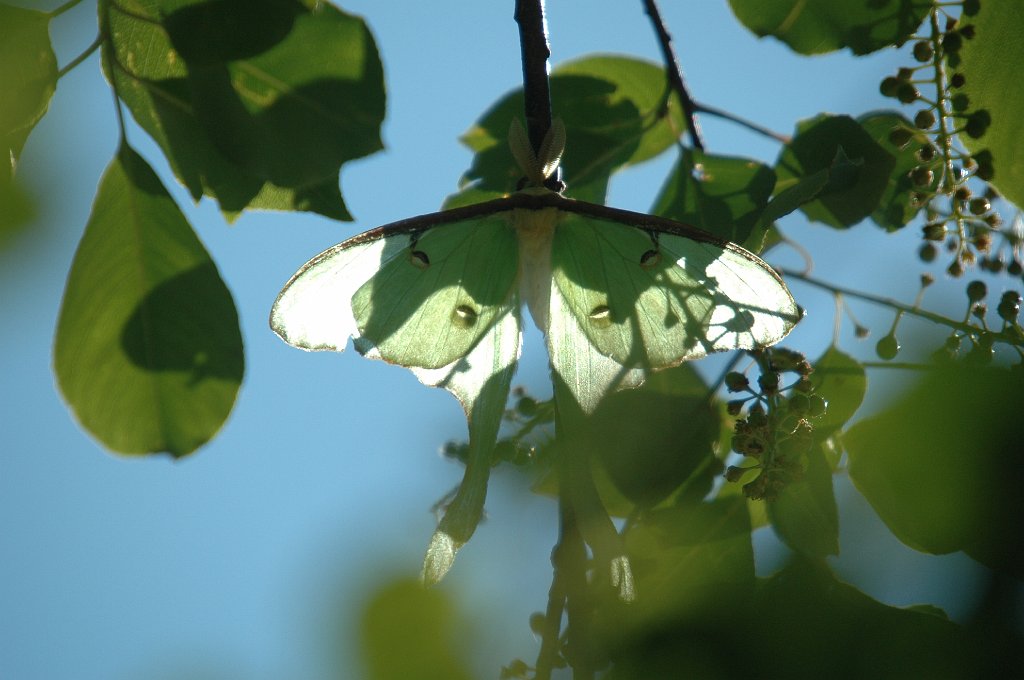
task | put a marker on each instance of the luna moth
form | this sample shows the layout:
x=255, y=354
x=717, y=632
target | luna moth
x=618, y=294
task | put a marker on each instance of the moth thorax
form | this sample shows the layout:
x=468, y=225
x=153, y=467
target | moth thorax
x=464, y=316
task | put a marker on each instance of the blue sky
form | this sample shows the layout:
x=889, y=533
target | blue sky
x=239, y=557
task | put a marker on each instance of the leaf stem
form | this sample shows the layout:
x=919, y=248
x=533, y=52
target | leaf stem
x=63, y=8
x=675, y=74
x=81, y=57
x=761, y=130
x=1008, y=338
x=533, y=40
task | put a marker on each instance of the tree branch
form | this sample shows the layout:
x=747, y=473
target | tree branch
x=533, y=39
x=675, y=75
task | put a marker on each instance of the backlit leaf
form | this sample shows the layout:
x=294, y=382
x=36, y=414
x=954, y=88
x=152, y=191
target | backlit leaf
x=818, y=26
x=989, y=64
x=148, y=353
x=28, y=78
x=256, y=104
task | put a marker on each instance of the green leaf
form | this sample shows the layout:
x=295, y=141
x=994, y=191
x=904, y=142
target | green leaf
x=895, y=208
x=941, y=468
x=841, y=381
x=612, y=108
x=819, y=26
x=989, y=64
x=720, y=194
x=257, y=107
x=656, y=440
x=28, y=76
x=859, y=169
x=804, y=514
x=690, y=560
x=408, y=631
x=148, y=352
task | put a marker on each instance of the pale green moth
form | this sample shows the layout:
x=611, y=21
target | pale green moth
x=618, y=294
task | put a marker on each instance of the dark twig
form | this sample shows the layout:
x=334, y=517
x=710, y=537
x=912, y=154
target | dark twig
x=750, y=125
x=964, y=327
x=533, y=38
x=675, y=75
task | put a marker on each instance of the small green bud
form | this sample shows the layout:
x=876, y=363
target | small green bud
x=735, y=474
x=952, y=42
x=923, y=50
x=958, y=80
x=736, y=382
x=889, y=86
x=971, y=7
x=1015, y=268
x=768, y=382
x=900, y=137
x=926, y=153
x=960, y=101
x=980, y=206
x=968, y=31
x=924, y=119
x=962, y=193
x=955, y=269
x=934, y=231
x=888, y=347
x=734, y=407
x=907, y=93
x=976, y=126
x=976, y=290
x=921, y=176
x=1009, y=306
x=927, y=253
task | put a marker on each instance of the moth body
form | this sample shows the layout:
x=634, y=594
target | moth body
x=535, y=230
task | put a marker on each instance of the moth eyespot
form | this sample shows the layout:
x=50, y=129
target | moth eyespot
x=419, y=259
x=650, y=259
x=601, y=316
x=464, y=316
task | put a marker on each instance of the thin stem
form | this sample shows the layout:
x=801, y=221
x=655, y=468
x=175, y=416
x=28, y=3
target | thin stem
x=533, y=40
x=63, y=8
x=721, y=113
x=903, y=308
x=81, y=57
x=675, y=74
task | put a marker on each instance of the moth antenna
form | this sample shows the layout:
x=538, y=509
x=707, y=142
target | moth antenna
x=551, y=148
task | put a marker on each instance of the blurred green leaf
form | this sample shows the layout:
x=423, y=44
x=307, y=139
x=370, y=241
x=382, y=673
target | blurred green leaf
x=28, y=77
x=18, y=207
x=256, y=104
x=895, y=208
x=690, y=561
x=613, y=110
x=818, y=26
x=989, y=64
x=840, y=380
x=803, y=623
x=804, y=514
x=148, y=352
x=859, y=169
x=941, y=467
x=409, y=631
x=720, y=194
x=654, y=439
